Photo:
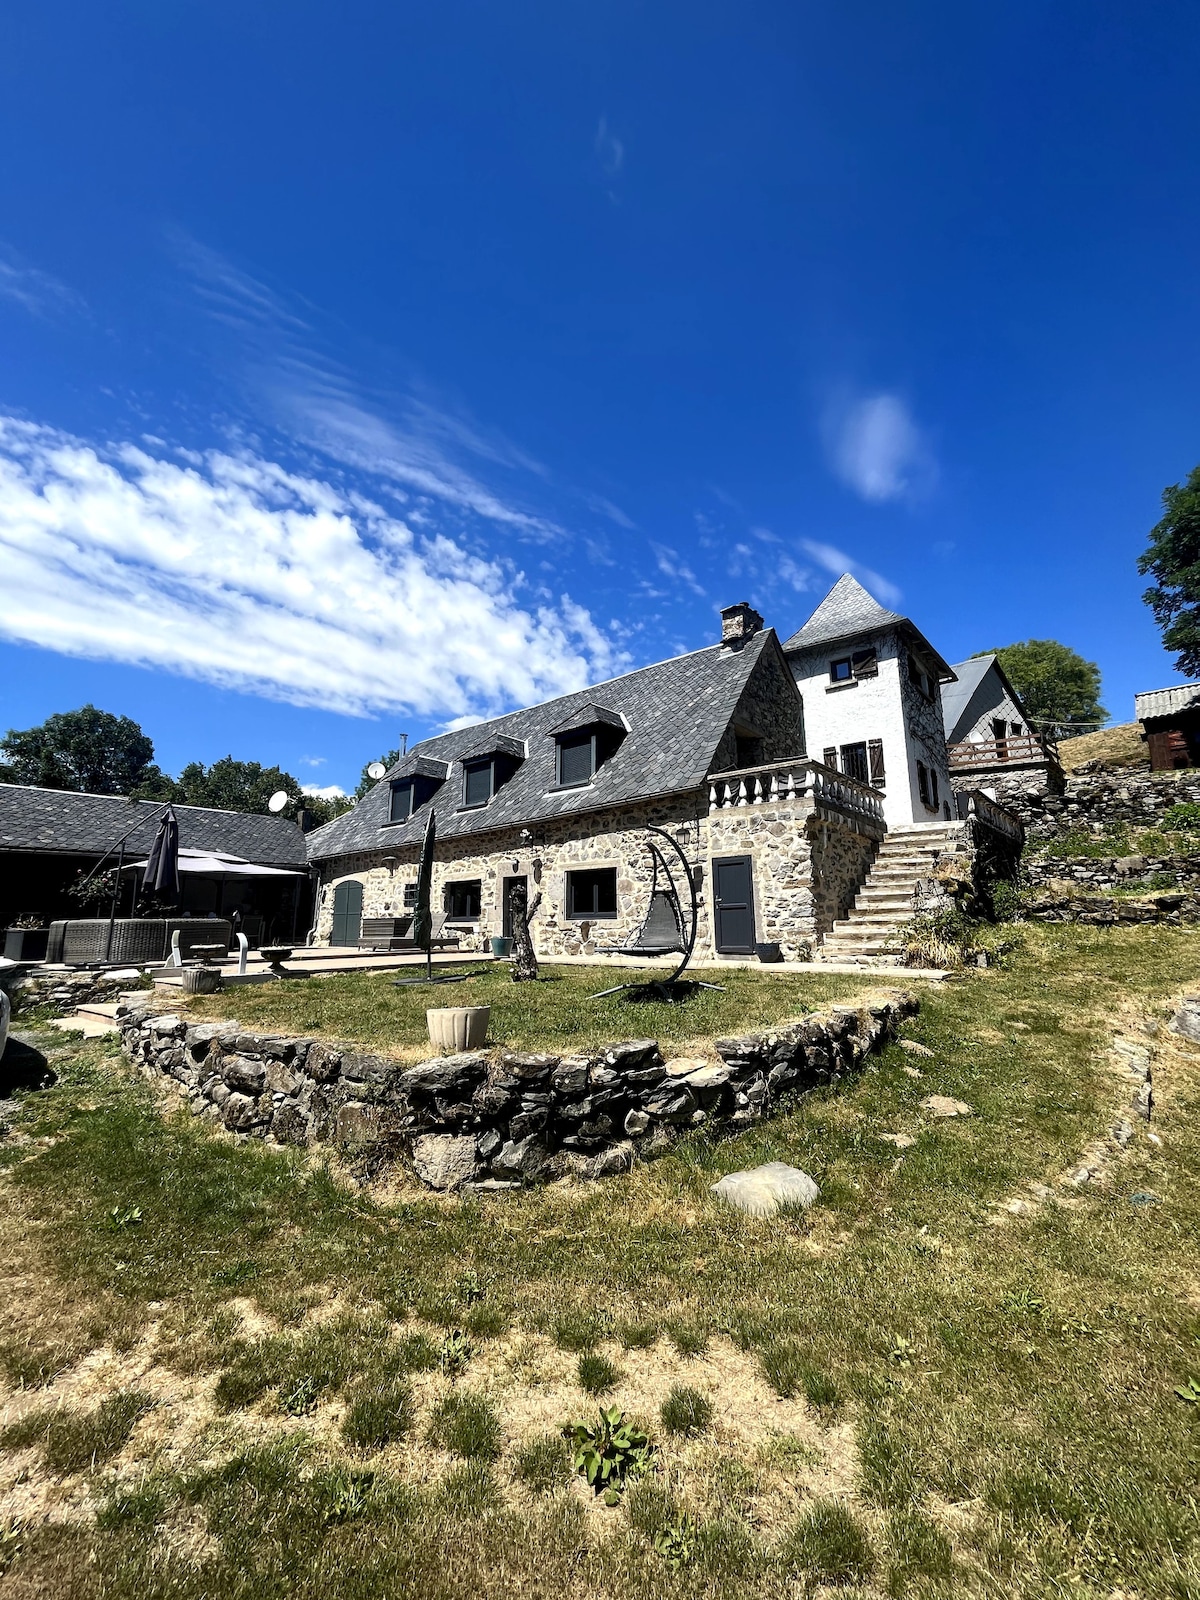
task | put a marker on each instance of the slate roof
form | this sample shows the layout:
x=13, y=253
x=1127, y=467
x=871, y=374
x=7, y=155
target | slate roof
x=956, y=697
x=88, y=824
x=1166, y=702
x=848, y=611
x=676, y=711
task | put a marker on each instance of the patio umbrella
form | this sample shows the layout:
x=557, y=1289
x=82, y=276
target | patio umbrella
x=422, y=922
x=162, y=865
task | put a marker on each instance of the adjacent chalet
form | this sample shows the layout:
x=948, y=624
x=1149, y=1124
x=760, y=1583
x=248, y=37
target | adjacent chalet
x=1170, y=720
x=989, y=740
x=778, y=768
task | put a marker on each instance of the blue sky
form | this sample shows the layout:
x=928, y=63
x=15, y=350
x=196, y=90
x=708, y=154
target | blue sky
x=368, y=367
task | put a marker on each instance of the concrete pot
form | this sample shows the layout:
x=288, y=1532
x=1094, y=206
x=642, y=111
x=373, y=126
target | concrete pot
x=458, y=1028
x=201, y=980
x=501, y=948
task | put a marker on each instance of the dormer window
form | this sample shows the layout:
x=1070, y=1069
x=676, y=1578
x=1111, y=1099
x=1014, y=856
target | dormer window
x=488, y=767
x=402, y=801
x=583, y=744
x=478, y=782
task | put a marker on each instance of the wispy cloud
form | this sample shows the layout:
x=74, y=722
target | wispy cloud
x=876, y=448
x=609, y=149
x=31, y=288
x=836, y=562
x=410, y=440
x=240, y=573
x=671, y=566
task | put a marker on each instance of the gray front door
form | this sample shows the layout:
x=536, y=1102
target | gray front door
x=347, y=913
x=733, y=894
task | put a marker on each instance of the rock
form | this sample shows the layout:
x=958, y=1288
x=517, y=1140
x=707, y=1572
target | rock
x=705, y=1076
x=913, y=1072
x=489, y=1144
x=1186, y=1021
x=447, y=1074
x=913, y=1048
x=356, y=1125
x=1123, y=1134
x=636, y=1122
x=524, y=1159
x=1143, y=1101
x=240, y=1112
x=684, y=1066
x=673, y=1107
x=902, y=1141
x=941, y=1105
x=761, y=1191
x=570, y=1077
x=444, y=1161
x=240, y=1072
x=617, y=1158
x=525, y=1067
x=628, y=1057
x=323, y=1064
x=289, y=1124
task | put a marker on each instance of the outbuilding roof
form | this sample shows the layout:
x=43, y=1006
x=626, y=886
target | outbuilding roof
x=1166, y=702
x=66, y=822
x=957, y=696
x=676, y=712
x=848, y=612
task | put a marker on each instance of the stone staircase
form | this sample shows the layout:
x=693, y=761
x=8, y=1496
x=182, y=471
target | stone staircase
x=92, y=1021
x=885, y=901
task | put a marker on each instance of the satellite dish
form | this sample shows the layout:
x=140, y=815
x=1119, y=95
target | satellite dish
x=277, y=801
x=376, y=770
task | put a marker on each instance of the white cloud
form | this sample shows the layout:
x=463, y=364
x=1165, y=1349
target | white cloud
x=312, y=761
x=242, y=574
x=31, y=288
x=670, y=565
x=875, y=446
x=331, y=791
x=837, y=561
x=609, y=148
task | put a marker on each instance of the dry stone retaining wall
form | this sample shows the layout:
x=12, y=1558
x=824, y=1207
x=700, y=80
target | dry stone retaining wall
x=63, y=991
x=494, y=1119
x=1137, y=799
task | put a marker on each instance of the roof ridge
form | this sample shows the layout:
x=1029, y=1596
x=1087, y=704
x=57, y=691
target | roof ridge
x=129, y=800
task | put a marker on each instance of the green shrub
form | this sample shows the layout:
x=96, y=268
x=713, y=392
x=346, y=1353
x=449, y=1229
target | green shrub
x=466, y=1425
x=379, y=1413
x=597, y=1374
x=827, y=1544
x=610, y=1453
x=686, y=1411
x=1182, y=818
x=543, y=1463
x=1006, y=901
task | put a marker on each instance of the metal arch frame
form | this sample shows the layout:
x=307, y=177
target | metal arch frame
x=690, y=944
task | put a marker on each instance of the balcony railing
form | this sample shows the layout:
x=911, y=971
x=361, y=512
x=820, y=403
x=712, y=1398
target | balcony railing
x=784, y=781
x=981, y=809
x=992, y=752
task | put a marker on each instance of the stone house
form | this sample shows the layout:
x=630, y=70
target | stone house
x=714, y=747
x=871, y=684
x=709, y=745
x=990, y=741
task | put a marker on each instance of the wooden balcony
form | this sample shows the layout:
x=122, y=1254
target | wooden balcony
x=1001, y=752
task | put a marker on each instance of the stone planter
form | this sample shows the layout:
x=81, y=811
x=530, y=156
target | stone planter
x=26, y=944
x=768, y=953
x=458, y=1028
x=201, y=980
x=501, y=948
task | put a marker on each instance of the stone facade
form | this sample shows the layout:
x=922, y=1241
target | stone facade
x=1020, y=785
x=806, y=866
x=495, y=1119
x=771, y=713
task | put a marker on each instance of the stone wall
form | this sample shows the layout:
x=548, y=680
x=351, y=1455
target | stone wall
x=494, y=1119
x=61, y=992
x=769, y=706
x=1104, y=799
x=1017, y=785
x=1059, y=904
x=792, y=901
x=1108, y=872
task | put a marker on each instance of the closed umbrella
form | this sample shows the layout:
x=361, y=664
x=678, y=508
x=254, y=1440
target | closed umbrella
x=162, y=866
x=422, y=922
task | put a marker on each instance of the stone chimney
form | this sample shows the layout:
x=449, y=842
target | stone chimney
x=739, y=623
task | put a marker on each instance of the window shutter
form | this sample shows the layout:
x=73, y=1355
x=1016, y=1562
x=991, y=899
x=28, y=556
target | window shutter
x=875, y=757
x=830, y=756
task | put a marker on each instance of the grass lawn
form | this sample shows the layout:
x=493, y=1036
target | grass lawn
x=556, y=1014
x=230, y=1373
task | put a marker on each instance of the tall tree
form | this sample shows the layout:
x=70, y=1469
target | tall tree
x=88, y=750
x=1059, y=689
x=1172, y=559
x=231, y=785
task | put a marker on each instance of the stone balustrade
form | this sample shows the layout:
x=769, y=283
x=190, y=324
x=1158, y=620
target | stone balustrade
x=788, y=781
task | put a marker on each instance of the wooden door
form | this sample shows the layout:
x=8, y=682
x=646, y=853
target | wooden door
x=733, y=905
x=347, y=913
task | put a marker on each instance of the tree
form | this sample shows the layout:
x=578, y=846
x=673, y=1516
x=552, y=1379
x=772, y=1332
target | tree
x=1172, y=558
x=1058, y=688
x=366, y=782
x=87, y=750
x=231, y=785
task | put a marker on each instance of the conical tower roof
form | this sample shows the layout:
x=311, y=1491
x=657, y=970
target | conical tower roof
x=845, y=611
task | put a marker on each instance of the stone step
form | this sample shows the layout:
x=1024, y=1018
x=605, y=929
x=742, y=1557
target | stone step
x=89, y=1027
x=103, y=1010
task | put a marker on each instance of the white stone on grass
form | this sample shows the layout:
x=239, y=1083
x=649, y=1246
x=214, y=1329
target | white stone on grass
x=762, y=1191
x=941, y=1105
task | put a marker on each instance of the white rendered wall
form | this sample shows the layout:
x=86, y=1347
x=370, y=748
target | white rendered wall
x=886, y=707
